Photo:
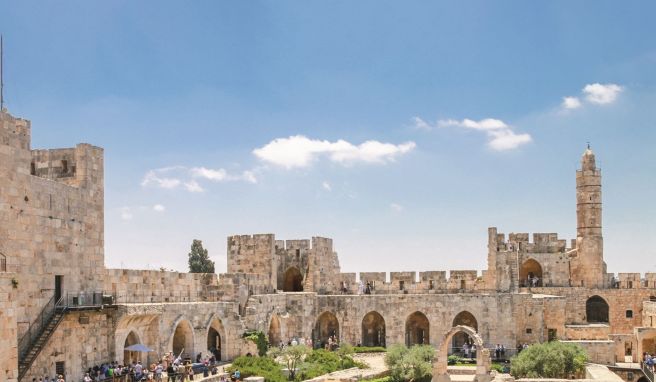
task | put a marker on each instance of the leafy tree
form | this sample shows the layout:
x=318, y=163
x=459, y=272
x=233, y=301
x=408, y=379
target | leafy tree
x=410, y=364
x=292, y=356
x=549, y=360
x=199, y=261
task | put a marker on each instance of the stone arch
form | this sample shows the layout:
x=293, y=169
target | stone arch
x=326, y=326
x=275, y=331
x=146, y=329
x=131, y=356
x=463, y=318
x=216, y=337
x=530, y=272
x=596, y=310
x=373, y=329
x=482, y=355
x=417, y=329
x=182, y=338
x=292, y=280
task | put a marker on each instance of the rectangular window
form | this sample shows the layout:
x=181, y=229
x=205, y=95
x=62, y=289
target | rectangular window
x=401, y=285
x=630, y=284
x=60, y=368
x=33, y=168
x=629, y=313
x=552, y=334
x=462, y=284
x=431, y=284
x=64, y=166
x=529, y=330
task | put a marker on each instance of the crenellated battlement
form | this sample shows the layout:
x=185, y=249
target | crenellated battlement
x=541, y=243
x=15, y=132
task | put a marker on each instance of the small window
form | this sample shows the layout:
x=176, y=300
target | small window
x=32, y=168
x=529, y=330
x=298, y=253
x=401, y=285
x=462, y=284
x=629, y=284
x=431, y=284
x=629, y=313
x=64, y=166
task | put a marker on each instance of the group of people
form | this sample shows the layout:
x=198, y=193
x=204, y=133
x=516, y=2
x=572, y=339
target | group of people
x=469, y=350
x=57, y=378
x=365, y=288
x=649, y=360
x=499, y=351
x=330, y=344
x=296, y=341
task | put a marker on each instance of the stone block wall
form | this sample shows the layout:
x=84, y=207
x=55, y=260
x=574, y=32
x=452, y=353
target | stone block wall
x=8, y=329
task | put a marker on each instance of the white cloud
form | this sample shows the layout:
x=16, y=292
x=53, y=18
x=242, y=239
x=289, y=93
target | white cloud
x=326, y=186
x=126, y=213
x=193, y=186
x=159, y=208
x=500, y=135
x=420, y=124
x=602, y=94
x=175, y=177
x=299, y=151
x=396, y=207
x=571, y=103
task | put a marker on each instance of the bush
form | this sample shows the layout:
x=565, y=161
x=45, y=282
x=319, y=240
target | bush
x=410, y=364
x=369, y=349
x=258, y=366
x=322, y=361
x=260, y=339
x=452, y=359
x=549, y=360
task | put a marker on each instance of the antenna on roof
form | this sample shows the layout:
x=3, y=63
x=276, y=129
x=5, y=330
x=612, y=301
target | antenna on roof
x=2, y=83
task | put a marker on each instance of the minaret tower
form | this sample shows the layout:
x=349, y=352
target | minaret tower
x=588, y=267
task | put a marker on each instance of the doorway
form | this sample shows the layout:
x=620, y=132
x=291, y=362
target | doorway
x=59, y=283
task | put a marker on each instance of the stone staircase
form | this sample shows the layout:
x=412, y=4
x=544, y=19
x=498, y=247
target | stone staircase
x=36, y=337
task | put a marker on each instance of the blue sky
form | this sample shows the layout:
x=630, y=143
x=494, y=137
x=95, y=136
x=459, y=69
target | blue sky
x=400, y=129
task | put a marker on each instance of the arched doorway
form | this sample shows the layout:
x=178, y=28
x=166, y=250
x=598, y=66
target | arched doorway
x=530, y=274
x=215, y=337
x=183, y=339
x=482, y=356
x=460, y=338
x=373, y=330
x=275, y=336
x=596, y=310
x=293, y=280
x=326, y=327
x=417, y=329
x=131, y=356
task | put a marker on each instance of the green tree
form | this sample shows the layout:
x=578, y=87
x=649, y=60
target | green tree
x=550, y=360
x=292, y=356
x=199, y=261
x=410, y=364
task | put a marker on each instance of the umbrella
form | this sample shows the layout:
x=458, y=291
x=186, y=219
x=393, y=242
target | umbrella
x=139, y=348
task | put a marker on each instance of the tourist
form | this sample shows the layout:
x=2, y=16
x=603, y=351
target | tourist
x=236, y=376
x=367, y=289
x=60, y=378
x=191, y=373
x=360, y=287
x=170, y=372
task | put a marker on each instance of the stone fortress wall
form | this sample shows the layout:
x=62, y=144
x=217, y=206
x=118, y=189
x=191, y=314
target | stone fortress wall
x=52, y=237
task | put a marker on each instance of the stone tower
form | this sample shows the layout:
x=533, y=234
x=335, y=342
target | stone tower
x=588, y=268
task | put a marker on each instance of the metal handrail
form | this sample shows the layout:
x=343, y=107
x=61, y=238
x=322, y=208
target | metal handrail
x=37, y=326
x=647, y=371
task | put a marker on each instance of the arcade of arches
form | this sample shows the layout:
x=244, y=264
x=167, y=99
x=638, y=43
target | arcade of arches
x=326, y=326
x=131, y=356
x=530, y=270
x=183, y=339
x=373, y=330
x=293, y=280
x=417, y=329
x=596, y=310
x=214, y=338
x=460, y=338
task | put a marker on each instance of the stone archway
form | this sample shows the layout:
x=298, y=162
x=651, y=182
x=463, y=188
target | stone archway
x=596, y=310
x=182, y=340
x=216, y=338
x=530, y=274
x=275, y=331
x=131, y=356
x=325, y=327
x=292, y=280
x=417, y=329
x=464, y=318
x=440, y=373
x=373, y=329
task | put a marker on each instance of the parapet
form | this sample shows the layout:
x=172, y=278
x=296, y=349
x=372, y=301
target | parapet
x=542, y=242
x=14, y=131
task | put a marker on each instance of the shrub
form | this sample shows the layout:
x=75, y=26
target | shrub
x=410, y=364
x=549, y=360
x=322, y=361
x=369, y=349
x=258, y=366
x=452, y=359
x=260, y=339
